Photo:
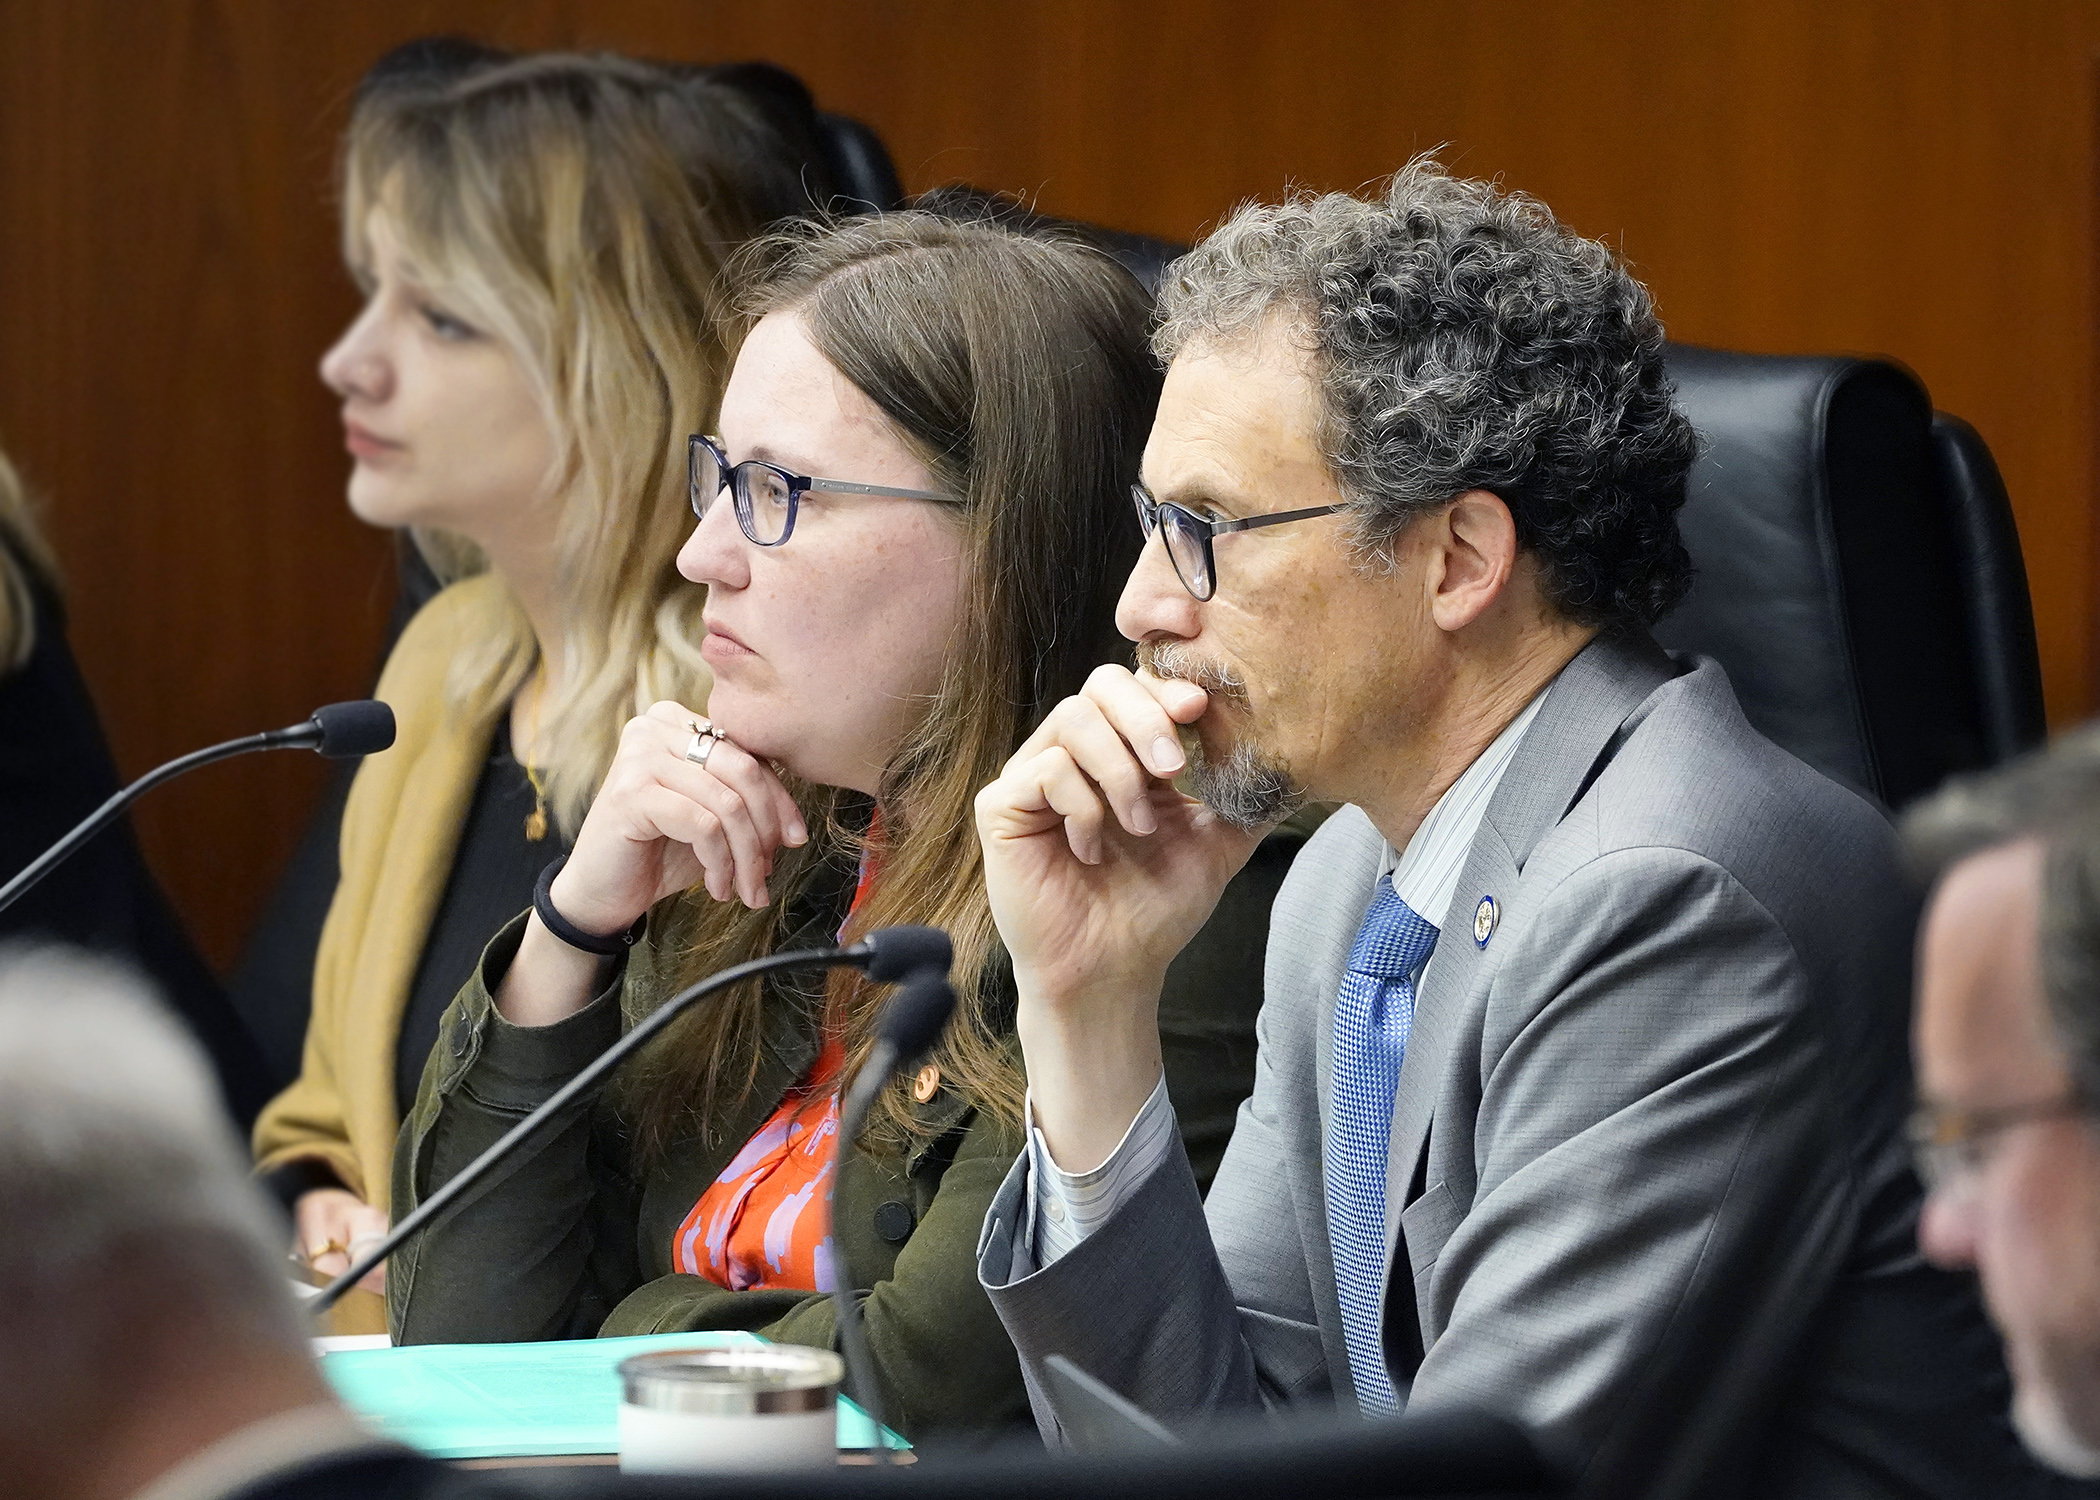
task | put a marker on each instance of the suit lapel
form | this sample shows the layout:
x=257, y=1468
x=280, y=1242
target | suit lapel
x=1585, y=709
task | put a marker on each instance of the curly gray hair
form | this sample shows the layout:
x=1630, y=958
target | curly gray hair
x=1465, y=339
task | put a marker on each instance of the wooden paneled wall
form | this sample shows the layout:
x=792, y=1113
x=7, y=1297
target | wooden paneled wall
x=1895, y=176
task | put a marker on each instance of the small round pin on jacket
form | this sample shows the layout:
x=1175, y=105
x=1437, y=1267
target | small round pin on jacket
x=1485, y=915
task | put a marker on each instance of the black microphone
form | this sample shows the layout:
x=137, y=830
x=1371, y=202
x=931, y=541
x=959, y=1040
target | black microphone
x=910, y=1025
x=892, y=950
x=338, y=731
x=906, y=951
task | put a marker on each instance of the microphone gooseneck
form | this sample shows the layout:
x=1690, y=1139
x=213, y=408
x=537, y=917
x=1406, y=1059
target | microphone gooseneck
x=452, y=1195
x=340, y=729
x=910, y=1025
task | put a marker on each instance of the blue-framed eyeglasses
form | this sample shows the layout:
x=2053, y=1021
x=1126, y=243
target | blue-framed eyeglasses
x=1189, y=535
x=765, y=495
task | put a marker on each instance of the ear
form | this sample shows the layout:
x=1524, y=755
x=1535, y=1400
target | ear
x=1473, y=551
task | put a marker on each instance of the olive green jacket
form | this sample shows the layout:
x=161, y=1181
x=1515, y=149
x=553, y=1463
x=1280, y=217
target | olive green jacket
x=568, y=1243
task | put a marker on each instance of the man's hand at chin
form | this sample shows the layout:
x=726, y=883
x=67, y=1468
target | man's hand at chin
x=1099, y=872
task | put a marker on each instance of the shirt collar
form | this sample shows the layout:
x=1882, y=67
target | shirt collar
x=1425, y=874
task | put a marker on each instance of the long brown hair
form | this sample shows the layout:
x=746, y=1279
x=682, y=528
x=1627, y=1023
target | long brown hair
x=1015, y=366
x=581, y=209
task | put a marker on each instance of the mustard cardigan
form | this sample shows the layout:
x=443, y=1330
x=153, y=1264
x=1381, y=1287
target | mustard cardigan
x=401, y=829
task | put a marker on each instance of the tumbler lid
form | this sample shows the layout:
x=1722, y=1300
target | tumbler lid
x=737, y=1380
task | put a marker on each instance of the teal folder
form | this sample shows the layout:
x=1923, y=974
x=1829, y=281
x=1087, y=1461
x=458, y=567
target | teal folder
x=516, y=1400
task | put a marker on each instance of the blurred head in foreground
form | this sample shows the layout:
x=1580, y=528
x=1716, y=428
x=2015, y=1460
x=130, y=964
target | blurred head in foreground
x=146, y=1313
x=2008, y=1051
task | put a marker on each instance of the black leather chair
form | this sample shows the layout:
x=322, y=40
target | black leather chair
x=861, y=170
x=1859, y=573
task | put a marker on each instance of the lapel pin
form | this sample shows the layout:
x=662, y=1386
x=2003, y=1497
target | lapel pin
x=1484, y=918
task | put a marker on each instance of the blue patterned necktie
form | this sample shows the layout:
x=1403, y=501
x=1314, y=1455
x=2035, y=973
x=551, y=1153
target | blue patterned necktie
x=1372, y=1016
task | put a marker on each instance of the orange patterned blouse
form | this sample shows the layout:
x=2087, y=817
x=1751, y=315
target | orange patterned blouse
x=765, y=1222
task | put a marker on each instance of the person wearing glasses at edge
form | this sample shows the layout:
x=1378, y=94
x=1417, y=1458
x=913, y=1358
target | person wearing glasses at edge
x=538, y=240
x=1582, y=1078
x=912, y=525
x=2007, y=1039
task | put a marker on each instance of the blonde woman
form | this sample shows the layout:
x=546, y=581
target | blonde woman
x=55, y=769
x=540, y=242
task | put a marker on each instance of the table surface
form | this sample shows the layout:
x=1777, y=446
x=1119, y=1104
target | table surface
x=509, y=1403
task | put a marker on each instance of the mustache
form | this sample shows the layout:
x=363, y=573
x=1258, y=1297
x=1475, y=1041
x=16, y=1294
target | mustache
x=1176, y=660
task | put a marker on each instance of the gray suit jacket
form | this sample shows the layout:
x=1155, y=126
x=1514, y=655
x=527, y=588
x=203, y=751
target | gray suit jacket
x=1650, y=1191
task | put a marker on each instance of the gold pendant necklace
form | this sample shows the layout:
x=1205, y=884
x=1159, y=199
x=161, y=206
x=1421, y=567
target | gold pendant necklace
x=536, y=820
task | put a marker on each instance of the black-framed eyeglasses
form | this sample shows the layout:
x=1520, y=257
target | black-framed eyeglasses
x=1949, y=1143
x=765, y=495
x=1189, y=536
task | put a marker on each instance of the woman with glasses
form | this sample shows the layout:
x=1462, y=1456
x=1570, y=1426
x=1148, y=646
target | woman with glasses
x=913, y=523
x=538, y=240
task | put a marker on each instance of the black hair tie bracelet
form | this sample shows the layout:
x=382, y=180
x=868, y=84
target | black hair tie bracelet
x=610, y=946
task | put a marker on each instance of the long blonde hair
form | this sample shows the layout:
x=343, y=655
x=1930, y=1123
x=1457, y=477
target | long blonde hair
x=26, y=566
x=1015, y=366
x=581, y=209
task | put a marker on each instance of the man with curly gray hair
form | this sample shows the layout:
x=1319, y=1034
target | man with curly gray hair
x=1581, y=1078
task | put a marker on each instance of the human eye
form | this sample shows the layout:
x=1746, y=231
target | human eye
x=452, y=330
x=768, y=487
x=1190, y=505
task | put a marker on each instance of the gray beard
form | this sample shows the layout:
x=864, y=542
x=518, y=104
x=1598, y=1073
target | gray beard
x=1248, y=789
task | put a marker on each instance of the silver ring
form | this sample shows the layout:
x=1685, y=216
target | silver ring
x=703, y=743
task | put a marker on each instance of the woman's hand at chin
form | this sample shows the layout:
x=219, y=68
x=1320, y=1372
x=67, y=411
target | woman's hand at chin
x=660, y=824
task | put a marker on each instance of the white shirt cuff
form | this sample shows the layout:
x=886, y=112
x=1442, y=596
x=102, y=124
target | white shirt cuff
x=1066, y=1207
